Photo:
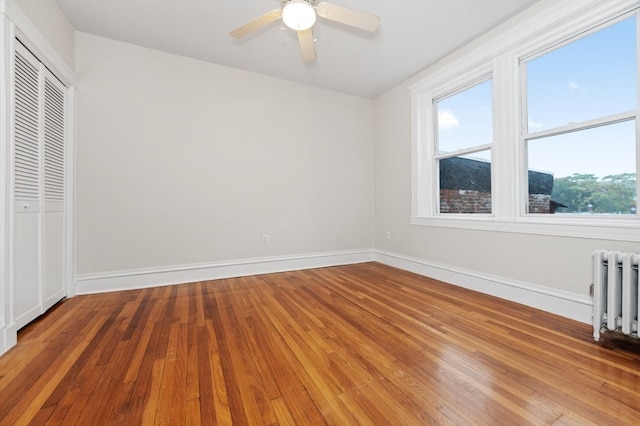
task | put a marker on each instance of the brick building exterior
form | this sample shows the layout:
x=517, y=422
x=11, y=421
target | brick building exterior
x=465, y=187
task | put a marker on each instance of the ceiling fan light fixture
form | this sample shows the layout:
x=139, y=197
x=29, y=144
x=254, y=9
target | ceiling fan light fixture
x=298, y=15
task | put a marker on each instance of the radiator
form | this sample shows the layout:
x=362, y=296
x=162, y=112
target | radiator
x=615, y=293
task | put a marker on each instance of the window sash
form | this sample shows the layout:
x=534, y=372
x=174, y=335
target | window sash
x=585, y=125
x=463, y=152
x=601, y=121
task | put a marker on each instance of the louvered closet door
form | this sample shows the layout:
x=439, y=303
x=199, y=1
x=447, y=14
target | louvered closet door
x=53, y=185
x=27, y=301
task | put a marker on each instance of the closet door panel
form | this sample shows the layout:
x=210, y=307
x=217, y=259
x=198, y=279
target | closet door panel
x=27, y=303
x=52, y=266
x=54, y=172
x=27, y=291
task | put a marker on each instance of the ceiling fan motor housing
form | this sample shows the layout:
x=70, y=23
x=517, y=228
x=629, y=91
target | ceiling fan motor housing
x=298, y=15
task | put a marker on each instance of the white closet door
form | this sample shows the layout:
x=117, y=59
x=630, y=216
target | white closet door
x=27, y=302
x=54, y=171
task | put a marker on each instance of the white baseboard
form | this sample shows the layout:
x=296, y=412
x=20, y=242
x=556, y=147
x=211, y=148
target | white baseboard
x=154, y=277
x=566, y=304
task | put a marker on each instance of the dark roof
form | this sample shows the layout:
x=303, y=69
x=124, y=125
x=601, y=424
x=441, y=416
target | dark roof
x=475, y=175
x=540, y=183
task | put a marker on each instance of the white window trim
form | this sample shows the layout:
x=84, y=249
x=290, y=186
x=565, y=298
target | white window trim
x=426, y=153
x=498, y=53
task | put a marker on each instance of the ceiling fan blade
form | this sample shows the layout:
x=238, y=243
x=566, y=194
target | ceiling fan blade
x=257, y=23
x=344, y=15
x=307, y=48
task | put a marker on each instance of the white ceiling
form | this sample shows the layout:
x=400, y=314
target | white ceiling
x=412, y=35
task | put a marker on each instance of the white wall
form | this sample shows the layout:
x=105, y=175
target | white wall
x=52, y=24
x=183, y=162
x=561, y=264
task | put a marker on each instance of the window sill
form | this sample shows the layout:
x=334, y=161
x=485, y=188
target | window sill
x=617, y=229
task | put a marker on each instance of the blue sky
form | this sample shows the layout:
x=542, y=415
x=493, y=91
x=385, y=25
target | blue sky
x=592, y=77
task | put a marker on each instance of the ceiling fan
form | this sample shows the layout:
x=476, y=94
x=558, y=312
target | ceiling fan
x=300, y=15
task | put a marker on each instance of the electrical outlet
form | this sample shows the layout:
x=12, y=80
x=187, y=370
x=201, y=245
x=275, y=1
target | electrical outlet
x=265, y=239
x=387, y=236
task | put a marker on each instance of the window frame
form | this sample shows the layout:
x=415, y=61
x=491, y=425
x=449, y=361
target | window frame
x=426, y=153
x=437, y=156
x=499, y=55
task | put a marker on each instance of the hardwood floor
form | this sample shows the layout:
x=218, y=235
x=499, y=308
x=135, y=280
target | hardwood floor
x=358, y=344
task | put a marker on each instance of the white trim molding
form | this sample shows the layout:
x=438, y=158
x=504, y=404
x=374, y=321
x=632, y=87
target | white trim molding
x=33, y=39
x=566, y=304
x=615, y=229
x=180, y=274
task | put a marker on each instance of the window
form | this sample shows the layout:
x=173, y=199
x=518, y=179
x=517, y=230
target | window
x=535, y=128
x=463, y=157
x=581, y=103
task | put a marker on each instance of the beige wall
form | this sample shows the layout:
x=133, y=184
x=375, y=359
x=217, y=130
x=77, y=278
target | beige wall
x=54, y=26
x=181, y=162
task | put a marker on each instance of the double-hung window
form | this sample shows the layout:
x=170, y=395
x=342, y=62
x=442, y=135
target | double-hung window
x=535, y=129
x=580, y=121
x=463, y=140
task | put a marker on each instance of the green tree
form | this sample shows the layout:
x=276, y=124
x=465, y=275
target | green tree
x=575, y=191
x=616, y=194
x=587, y=192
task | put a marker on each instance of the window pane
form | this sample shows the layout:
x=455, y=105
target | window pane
x=588, y=171
x=465, y=184
x=465, y=119
x=592, y=77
